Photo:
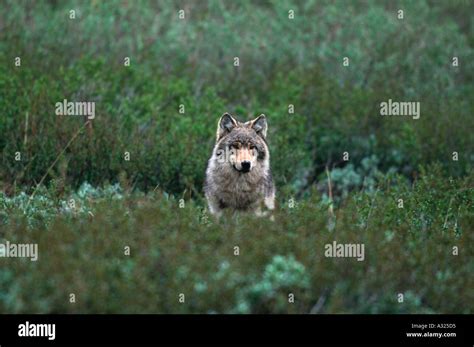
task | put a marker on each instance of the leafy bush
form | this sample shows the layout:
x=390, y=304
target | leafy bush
x=75, y=192
x=174, y=251
x=281, y=277
x=283, y=62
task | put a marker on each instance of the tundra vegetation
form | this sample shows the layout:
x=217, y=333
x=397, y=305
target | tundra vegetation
x=115, y=203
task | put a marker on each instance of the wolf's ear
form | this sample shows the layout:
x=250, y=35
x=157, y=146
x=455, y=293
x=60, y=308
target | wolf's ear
x=226, y=124
x=259, y=124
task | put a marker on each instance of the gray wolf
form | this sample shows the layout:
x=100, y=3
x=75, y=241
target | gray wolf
x=238, y=175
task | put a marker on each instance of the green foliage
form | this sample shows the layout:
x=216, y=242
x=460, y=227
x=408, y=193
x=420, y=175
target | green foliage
x=173, y=250
x=190, y=63
x=283, y=275
x=93, y=202
x=45, y=204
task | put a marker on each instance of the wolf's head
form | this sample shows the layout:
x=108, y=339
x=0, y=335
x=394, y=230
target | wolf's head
x=242, y=145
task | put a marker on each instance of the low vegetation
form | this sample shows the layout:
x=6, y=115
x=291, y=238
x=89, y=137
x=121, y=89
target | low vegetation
x=176, y=248
x=132, y=176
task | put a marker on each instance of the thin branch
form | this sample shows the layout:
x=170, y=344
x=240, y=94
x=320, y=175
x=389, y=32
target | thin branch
x=331, y=210
x=370, y=209
x=56, y=160
x=447, y=213
x=25, y=139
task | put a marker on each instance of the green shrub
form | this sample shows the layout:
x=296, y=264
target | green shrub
x=174, y=250
x=75, y=194
x=283, y=62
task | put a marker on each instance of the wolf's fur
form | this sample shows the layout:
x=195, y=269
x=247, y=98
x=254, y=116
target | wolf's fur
x=240, y=147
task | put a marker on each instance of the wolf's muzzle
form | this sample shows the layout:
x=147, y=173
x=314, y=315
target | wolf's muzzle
x=245, y=166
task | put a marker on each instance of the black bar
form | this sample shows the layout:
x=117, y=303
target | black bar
x=261, y=329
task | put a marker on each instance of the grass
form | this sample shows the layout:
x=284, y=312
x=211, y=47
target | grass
x=177, y=251
x=74, y=193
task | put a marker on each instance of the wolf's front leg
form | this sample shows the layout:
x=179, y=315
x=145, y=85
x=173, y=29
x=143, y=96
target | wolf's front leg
x=269, y=203
x=214, y=206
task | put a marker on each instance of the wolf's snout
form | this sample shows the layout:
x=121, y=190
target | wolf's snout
x=245, y=166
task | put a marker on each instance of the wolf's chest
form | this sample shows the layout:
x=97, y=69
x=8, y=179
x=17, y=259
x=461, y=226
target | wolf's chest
x=240, y=193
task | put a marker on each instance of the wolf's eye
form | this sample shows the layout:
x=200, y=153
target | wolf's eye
x=252, y=147
x=236, y=145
